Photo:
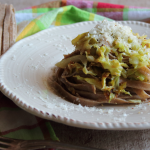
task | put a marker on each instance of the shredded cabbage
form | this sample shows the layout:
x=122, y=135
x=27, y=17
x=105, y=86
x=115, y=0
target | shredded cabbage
x=95, y=82
x=135, y=101
x=77, y=58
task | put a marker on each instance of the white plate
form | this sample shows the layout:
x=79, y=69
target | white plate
x=24, y=70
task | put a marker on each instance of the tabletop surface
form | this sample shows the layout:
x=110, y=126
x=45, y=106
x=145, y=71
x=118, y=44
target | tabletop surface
x=114, y=140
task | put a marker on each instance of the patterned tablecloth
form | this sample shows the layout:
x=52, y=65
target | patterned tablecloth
x=16, y=123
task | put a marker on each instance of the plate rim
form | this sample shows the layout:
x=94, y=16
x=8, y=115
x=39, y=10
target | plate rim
x=65, y=120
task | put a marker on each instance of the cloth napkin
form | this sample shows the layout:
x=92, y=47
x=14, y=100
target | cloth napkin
x=15, y=122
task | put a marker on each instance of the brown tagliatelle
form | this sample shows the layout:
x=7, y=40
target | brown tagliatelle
x=106, y=68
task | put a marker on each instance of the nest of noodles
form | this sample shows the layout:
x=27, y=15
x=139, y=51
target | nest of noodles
x=103, y=74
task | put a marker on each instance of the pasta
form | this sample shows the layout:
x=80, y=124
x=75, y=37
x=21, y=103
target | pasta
x=110, y=65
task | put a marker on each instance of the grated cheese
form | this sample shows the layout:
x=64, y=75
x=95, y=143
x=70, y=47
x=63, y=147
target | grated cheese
x=106, y=32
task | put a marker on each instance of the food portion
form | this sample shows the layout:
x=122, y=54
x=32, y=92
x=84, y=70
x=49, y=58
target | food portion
x=110, y=65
